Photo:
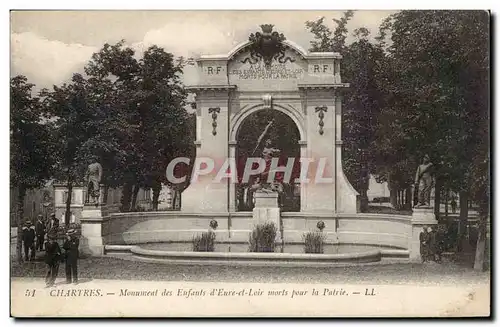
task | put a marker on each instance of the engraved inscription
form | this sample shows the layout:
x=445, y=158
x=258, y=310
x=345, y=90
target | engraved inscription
x=279, y=71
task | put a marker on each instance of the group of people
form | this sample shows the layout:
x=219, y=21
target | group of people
x=431, y=244
x=34, y=237
x=44, y=235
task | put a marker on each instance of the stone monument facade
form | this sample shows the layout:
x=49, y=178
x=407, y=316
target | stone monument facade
x=268, y=72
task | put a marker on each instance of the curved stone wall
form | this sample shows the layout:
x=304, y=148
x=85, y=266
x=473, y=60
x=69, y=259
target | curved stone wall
x=148, y=227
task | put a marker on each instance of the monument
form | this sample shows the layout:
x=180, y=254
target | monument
x=264, y=101
x=267, y=188
x=93, y=178
x=269, y=72
x=423, y=211
x=93, y=216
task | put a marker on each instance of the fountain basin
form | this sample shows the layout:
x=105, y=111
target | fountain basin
x=162, y=252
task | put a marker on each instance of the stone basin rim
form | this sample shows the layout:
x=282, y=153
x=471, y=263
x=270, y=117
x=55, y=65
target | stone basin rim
x=134, y=249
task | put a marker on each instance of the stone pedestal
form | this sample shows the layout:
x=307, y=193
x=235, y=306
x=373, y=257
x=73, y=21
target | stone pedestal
x=422, y=216
x=266, y=209
x=92, y=241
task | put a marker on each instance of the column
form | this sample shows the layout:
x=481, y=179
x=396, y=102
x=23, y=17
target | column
x=232, y=184
x=303, y=186
x=205, y=194
x=320, y=124
x=347, y=198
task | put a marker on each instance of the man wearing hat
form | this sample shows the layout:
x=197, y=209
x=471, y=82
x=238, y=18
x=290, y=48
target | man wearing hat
x=70, y=247
x=424, y=243
x=53, y=225
x=40, y=233
x=29, y=241
x=52, y=258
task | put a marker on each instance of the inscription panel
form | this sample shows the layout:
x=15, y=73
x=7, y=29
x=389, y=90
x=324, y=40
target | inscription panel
x=260, y=71
x=251, y=74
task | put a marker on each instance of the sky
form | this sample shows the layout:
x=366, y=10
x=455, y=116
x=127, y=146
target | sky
x=49, y=46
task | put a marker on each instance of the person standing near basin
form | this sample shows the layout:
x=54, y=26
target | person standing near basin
x=70, y=247
x=432, y=244
x=424, y=244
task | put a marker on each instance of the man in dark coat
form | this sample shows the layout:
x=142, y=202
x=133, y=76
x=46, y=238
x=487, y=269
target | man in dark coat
x=29, y=241
x=40, y=233
x=424, y=244
x=433, y=243
x=70, y=247
x=52, y=259
x=53, y=224
x=440, y=235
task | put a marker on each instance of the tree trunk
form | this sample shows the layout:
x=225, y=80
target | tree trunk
x=126, y=197
x=174, y=199
x=363, y=200
x=479, y=263
x=437, y=199
x=134, y=197
x=20, y=213
x=462, y=224
x=67, y=214
x=393, y=196
x=156, y=195
x=446, y=203
x=364, y=186
x=105, y=195
x=409, y=198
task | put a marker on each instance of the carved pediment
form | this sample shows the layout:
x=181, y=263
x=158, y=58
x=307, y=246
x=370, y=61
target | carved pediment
x=267, y=46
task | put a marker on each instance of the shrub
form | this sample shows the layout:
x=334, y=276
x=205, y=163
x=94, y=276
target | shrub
x=204, y=243
x=263, y=238
x=313, y=242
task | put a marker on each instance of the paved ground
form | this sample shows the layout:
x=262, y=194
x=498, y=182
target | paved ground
x=399, y=273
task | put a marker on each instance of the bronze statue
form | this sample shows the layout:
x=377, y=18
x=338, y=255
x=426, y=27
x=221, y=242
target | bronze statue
x=268, y=152
x=424, y=182
x=93, y=178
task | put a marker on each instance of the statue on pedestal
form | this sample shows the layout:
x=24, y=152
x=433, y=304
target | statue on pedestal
x=268, y=152
x=93, y=178
x=424, y=181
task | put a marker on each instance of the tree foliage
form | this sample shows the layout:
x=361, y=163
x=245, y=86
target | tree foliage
x=31, y=145
x=152, y=123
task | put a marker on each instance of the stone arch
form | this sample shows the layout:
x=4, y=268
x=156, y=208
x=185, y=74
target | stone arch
x=238, y=119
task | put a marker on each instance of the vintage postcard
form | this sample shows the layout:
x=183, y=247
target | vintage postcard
x=250, y=163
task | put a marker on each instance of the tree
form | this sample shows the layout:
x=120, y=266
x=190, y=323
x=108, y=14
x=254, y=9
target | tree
x=31, y=146
x=150, y=102
x=438, y=80
x=73, y=117
x=362, y=107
